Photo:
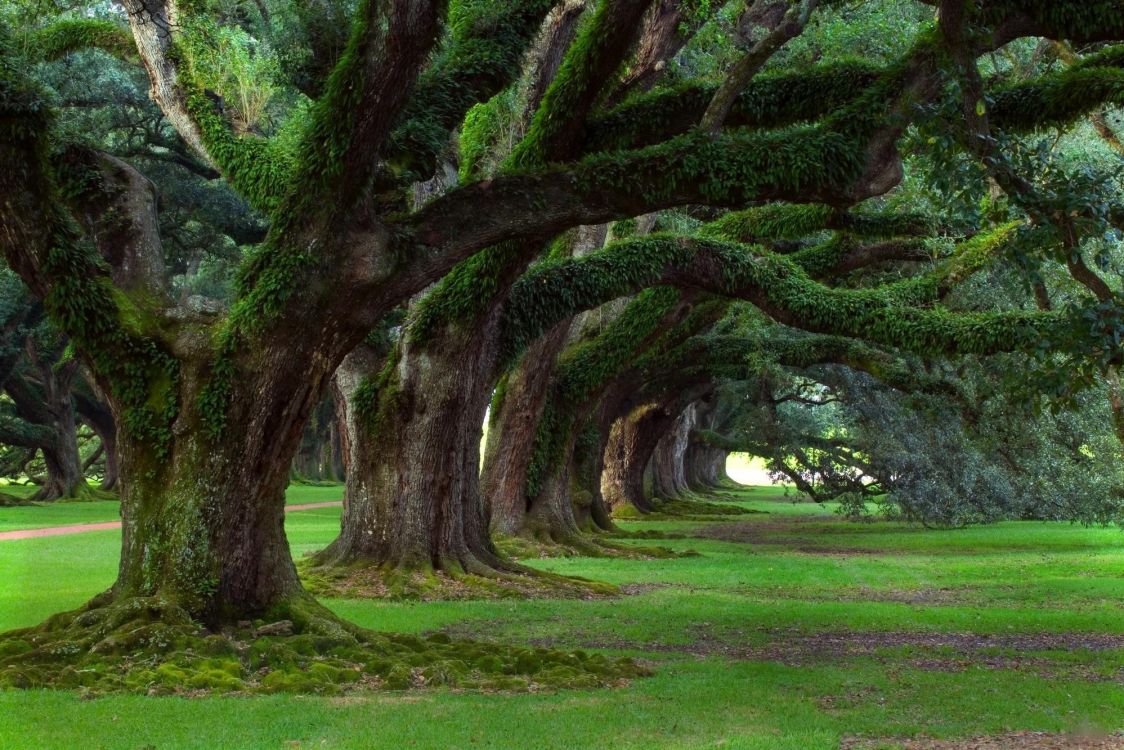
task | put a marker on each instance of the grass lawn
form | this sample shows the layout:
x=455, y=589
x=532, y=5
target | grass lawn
x=790, y=629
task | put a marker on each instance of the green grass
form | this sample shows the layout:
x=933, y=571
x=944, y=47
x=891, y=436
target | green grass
x=720, y=629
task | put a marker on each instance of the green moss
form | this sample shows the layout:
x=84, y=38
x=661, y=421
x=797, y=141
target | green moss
x=487, y=41
x=1066, y=19
x=104, y=325
x=894, y=314
x=771, y=100
x=367, y=580
x=570, y=92
x=583, y=369
x=1057, y=99
x=114, y=647
x=773, y=221
x=76, y=34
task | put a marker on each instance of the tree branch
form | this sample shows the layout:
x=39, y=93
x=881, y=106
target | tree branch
x=116, y=206
x=790, y=27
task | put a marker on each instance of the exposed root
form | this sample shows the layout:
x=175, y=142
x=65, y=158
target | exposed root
x=150, y=645
x=12, y=501
x=686, y=508
x=583, y=545
x=370, y=580
x=82, y=493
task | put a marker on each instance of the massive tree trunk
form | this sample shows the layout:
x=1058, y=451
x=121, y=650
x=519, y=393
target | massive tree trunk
x=587, y=462
x=704, y=463
x=636, y=430
x=705, y=466
x=203, y=514
x=667, y=465
x=631, y=443
x=413, y=495
x=517, y=408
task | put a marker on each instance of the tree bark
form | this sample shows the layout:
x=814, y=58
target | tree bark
x=626, y=456
x=48, y=403
x=705, y=464
x=636, y=430
x=203, y=515
x=413, y=496
x=669, y=476
x=97, y=415
x=511, y=432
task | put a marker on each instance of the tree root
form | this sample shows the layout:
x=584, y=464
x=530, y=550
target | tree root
x=583, y=545
x=150, y=645
x=372, y=580
x=689, y=507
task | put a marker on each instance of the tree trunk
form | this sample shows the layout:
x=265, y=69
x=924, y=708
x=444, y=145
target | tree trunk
x=669, y=479
x=705, y=464
x=93, y=410
x=334, y=459
x=65, y=478
x=586, y=465
x=48, y=403
x=706, y=467
x=511, y=432
x=631, y=443
x=413, y=496
x=633, y=436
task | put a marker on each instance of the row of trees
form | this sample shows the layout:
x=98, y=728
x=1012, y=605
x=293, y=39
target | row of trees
x=629, y=232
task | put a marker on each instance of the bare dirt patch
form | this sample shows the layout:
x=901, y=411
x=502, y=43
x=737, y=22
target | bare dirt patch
x=786, y=533
x=939, y=652
x=1013, y=741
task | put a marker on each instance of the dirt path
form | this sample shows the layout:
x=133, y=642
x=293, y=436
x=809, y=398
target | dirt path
x=110, y=525
x=1020, y=740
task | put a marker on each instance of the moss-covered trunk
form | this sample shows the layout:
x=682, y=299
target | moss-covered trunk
x=516, y=411
x=413, y=456
x=667, y=464
x=567, y=500
x=587, y=463
x=631, y=442
x=203, y=515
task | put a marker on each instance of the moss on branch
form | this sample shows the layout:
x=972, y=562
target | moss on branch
x=771, y=100
x=584, y=368
x=1057, y=99
x=486, y=44
x=76, y=34
x=895, y=314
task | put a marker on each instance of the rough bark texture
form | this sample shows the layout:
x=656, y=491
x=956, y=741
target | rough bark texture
x=511, y=432
x=586, y=464
x=46, y=402
x=204, y=524
x=705, y=464
x=413, y=496
x=93, y=410
x=636, y=430
x=667, y=465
